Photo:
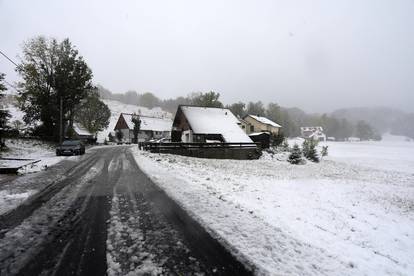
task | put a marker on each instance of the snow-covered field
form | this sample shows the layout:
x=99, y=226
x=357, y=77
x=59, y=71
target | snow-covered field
x=351, y=214
x=117, y=108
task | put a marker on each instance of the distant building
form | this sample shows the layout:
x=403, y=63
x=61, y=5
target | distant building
x=207, y=124
x=261, y=124
x=83, y=134
x=315, y=133
x=150, y=128
x=353, y=139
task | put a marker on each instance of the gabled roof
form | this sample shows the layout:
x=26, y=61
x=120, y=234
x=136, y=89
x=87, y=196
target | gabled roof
x=212, y=120
x=264, y=120
x=80, y=130
x=148, y=123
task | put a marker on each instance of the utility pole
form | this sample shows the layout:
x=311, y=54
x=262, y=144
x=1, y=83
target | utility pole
x=61, y=121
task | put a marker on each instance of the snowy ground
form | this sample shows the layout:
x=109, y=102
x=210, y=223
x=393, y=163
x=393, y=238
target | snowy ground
x=352, y=214
x=32, y=149
x=117, y=108
x=10, y=197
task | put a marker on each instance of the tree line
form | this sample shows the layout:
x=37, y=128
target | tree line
x=291, y=119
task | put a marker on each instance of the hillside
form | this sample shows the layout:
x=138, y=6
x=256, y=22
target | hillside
x=381, y=118
x=117, y=108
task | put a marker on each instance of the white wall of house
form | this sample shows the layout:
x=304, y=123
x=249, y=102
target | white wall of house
x=187, y=136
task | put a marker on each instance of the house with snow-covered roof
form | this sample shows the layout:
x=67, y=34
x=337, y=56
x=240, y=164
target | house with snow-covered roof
x=195, y=124
x=82, y=133
x=258, y=123
x=150, y=128
x=315, y=133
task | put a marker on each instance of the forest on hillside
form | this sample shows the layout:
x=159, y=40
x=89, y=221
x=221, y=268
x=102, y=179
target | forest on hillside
x=365, y=123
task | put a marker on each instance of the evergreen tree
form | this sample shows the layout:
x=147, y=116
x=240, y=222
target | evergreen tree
x=285, y=145
x=137, y=126
x=324, y=151
x=295, y=156
x=278, y=138
x=110, y=137
x=119, y=135
x=305, y=147
x=309, y=150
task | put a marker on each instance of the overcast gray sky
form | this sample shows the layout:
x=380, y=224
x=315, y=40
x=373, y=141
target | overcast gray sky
x=317, y=55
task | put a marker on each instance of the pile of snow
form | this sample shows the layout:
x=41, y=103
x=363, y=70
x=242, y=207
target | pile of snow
x=117, y=108
x=209, y=120
x=10, y=199
x=334, y=217
x=32, y=149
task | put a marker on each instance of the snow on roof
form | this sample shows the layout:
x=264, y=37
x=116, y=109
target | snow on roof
x=265, y=120
x=80, y=130
x=149, y=123
x=258, y=133
x=311, y=128
x=211, y=120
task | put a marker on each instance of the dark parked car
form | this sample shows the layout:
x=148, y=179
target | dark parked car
x=70, y=147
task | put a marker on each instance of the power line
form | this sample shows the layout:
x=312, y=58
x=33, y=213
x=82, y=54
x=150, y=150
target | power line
x=9, y=59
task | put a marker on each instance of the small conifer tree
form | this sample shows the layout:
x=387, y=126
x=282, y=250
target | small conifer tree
x=119, y=135
x=111, y=137
x=309, y=150
x=285, y=145
x=295, y=156
x=324, y=151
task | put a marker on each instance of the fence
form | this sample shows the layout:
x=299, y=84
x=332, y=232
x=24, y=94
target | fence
x=207, y=150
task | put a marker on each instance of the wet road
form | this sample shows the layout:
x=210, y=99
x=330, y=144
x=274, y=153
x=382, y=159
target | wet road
x=106, y=217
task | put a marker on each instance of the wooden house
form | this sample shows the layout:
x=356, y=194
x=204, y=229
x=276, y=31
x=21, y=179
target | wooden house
x=315, y=133
x=195, y=124
x=261, y=124
x=150, y=128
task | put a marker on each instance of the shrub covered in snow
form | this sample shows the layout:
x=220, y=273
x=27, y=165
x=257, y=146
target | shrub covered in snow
x=309, y=150
x=295, y=156
x=324, y=151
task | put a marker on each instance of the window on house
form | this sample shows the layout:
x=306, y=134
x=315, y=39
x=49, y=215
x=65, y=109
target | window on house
x=252, y=128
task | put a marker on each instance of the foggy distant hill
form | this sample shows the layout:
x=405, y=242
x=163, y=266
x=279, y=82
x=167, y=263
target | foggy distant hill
x=383, y=119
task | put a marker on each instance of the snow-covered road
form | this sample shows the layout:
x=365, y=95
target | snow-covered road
x=101, y=215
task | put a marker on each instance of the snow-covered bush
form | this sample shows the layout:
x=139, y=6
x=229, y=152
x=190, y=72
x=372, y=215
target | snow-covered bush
x=324, y=151
x=309, y=150
x=295, y=156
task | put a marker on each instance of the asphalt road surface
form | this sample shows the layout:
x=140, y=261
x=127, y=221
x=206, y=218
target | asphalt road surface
x=104, y=216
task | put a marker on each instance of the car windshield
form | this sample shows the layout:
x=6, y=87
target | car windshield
x=70, y=143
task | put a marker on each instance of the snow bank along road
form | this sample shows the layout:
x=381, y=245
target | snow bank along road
x=104, y=216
